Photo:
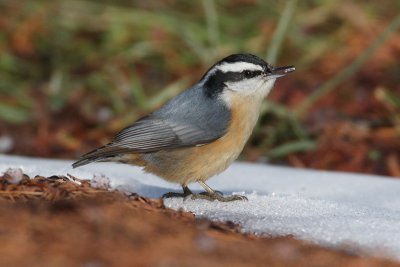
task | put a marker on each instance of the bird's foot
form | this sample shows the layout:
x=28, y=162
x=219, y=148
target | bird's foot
x=186, y=193
x=175, y=194
x=211, y=196
x=205, y=195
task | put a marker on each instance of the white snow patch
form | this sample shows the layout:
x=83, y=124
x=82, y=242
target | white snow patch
x=13, y=175
x=328, y=208
x=100, y=181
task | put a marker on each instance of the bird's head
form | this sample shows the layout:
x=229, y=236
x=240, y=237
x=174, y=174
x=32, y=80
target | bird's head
x=242, y=75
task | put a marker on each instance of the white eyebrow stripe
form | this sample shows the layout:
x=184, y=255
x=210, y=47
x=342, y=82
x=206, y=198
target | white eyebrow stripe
x=238, y=67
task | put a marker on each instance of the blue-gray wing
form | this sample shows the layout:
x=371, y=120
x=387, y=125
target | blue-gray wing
x=150, y=135
x=153, y=134
x=188, y=120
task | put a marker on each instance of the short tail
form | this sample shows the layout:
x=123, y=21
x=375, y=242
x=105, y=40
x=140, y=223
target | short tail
x=84, y=161
x=104, y=153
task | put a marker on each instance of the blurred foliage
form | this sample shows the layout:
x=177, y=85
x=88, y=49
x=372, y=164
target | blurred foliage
x=392, y=103
x=103, y=64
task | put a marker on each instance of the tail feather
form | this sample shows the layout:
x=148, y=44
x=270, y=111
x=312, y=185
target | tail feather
x=84, y=161
x=104, y=153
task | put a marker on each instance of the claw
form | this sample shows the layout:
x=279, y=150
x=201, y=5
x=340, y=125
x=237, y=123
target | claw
x=212, y=194
x=185, y=194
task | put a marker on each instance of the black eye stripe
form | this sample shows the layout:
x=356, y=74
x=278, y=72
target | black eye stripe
x=251, y=73
x=215, y=82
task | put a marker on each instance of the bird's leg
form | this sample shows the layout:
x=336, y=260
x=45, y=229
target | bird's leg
x=186, y=193
x=212, y=195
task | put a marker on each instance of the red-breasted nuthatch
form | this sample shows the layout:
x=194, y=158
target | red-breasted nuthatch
x=200, y=132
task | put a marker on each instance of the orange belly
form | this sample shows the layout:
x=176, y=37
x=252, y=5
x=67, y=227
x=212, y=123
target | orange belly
x=187, y=165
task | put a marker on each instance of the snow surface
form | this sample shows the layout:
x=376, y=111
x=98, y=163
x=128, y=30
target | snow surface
x=327, y=208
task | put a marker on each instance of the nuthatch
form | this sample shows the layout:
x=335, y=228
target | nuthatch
x=200, y=132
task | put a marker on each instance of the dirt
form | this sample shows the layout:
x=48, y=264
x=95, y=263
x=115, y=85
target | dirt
x=62, y=221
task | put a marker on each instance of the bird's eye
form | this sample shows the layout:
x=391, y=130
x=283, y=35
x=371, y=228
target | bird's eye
x=247, y=74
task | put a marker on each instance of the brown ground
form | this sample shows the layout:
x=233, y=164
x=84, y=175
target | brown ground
x=55, y=222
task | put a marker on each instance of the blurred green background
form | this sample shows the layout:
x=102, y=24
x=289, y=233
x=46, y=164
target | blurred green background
x=73, y=73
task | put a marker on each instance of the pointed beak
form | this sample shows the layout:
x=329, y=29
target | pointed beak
x=282, y=71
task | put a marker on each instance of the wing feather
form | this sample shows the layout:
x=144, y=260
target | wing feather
x=149, y=135
x=191, y=118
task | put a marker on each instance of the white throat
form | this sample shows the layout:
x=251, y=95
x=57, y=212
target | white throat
x=256, y=87
x=253, y=93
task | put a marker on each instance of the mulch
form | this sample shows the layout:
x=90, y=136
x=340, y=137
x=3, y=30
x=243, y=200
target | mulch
x=64, y=221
